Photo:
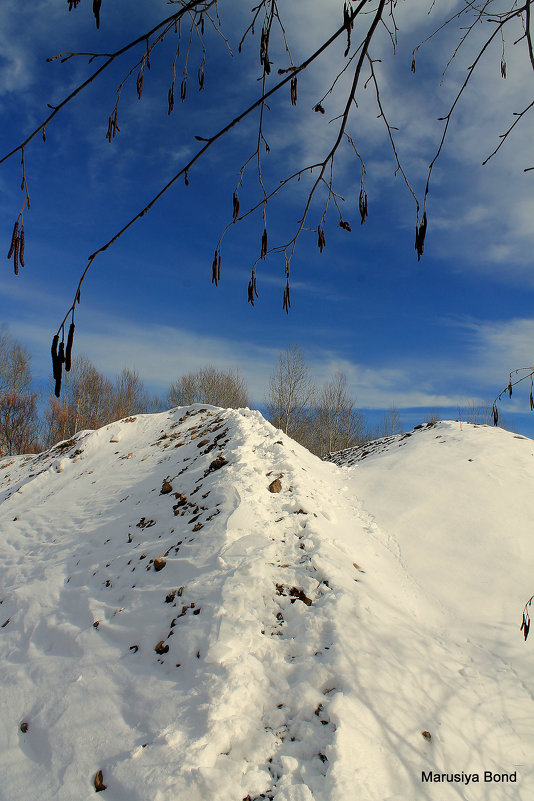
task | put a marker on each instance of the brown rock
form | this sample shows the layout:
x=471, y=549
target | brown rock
x=24, y=727
x=159, y=563
x=217, y=463
x=161, y=648
x=166, y=488
x=275, y=486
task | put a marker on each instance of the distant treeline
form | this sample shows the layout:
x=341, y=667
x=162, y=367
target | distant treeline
x=323, y=417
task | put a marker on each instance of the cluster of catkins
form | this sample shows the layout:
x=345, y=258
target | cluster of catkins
x=61, y=356
x=17, y=247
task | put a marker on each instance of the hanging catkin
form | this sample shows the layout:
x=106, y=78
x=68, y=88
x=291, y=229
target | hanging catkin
x=68, y=352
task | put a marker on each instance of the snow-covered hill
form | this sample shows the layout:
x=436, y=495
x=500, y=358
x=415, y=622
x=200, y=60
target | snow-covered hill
x=173, y=627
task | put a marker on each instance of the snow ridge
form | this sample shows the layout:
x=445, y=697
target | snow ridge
x=172, y=620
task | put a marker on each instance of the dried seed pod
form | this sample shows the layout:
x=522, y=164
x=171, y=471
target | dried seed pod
x=61, y=353
x=57, y=388
x=183, y=89
x=420, y=233
x=287, y=300
x=252, y=289
x=495, y=415
x=235, y=200
x=503, y=67
x=264, y=50
x=171, y=98
x=321, y=241
x=113, y=126
x=294, y=91
x=96, y=11
x=55, y=364
x=16, y=256
x=219, y=267
x=509, y=387
x=264, y=244
x=345, y=225
x=214, y=270
x=68, y=352
x=201, y=75
x=319, y=108
x=531, y=402
x=14, y=238
x=139, y=85
x=525, y=625
x=362, y=204
x=99, y=782
x=413, y=62
x=21, y=249
x=348, y=24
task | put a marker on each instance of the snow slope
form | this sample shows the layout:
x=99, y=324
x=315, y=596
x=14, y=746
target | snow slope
x=171, y=622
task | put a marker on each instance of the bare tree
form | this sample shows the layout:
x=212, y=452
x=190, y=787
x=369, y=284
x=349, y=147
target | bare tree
x=474, y=413
x=224, y=388
x=337, y=423
x=19, y=424
x=363, y=26
x=433, y=416
x=18, y=411
x=391, y=423
x=291, y=396
x=130, y=396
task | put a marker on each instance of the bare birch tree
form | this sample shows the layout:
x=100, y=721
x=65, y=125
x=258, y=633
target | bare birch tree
x=391, y=423
x=291, y=396
x=337, y=423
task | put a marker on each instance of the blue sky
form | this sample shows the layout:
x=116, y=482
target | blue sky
x=434, y=334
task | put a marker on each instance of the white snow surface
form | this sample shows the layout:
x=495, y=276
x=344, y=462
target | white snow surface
x=307, y=637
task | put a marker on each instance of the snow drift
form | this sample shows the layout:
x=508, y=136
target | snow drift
x=194, y=607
